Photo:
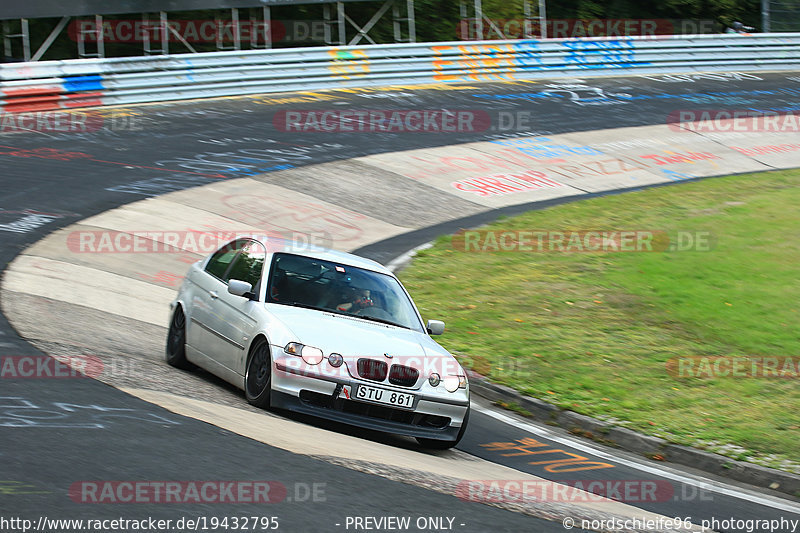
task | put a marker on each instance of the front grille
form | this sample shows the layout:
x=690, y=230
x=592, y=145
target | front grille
x=405, y=376
x=372, y=369
x=381, y=412
x=326, y=401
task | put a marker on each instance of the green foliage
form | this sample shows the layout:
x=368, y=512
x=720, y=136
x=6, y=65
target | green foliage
x=436, y=20
x=594, y=332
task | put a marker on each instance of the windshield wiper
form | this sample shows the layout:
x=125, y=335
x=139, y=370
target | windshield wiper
x=381, y=320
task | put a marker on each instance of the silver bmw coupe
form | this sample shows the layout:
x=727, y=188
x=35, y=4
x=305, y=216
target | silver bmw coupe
x=319, y=332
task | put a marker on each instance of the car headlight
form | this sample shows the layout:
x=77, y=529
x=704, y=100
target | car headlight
x=311, y=355
x=451, y=383
x=335, y=360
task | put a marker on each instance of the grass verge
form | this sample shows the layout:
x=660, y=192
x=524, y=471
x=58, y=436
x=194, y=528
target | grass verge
x=596, y=332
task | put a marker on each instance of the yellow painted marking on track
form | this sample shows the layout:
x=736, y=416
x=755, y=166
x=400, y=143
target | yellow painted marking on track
x=522, y=447
x=528, y=446
x=296, y=99
x=14, y=488
x=574, y=467
x=117, y=112
x=320, y=95
x=573, y=457
x=332, y=94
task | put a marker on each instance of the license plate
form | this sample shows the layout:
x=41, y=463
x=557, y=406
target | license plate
x=384, y=396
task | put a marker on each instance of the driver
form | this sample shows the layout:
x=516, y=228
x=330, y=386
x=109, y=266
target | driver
x=360, y=300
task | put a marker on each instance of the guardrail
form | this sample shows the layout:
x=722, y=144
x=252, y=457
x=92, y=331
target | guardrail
x=48, y=85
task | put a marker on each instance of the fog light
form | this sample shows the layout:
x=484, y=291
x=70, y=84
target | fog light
x=335, y=360
x=434, y=379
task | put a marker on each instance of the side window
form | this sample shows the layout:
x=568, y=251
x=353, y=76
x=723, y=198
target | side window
x=248, y=264
x=221, y=260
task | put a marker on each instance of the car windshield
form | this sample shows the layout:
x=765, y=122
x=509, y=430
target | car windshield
x=339, y=288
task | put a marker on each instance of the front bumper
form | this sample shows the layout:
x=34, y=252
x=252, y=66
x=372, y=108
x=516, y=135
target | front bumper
x=317, y=395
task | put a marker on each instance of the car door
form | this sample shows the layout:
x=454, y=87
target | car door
x=235, y=318
x=203, y=332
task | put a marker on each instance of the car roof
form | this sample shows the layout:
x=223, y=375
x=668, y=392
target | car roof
x=274, y=246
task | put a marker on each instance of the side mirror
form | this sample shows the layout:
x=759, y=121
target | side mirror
x=435, y=327
x=240, y=288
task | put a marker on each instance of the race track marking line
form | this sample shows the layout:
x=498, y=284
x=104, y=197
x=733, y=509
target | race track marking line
x=704, y=484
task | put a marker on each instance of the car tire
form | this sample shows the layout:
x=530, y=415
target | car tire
x=176, y=341
x=434, y=444
x=258, y=376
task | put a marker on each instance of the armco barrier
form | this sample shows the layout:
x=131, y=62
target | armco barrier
x=47, y=85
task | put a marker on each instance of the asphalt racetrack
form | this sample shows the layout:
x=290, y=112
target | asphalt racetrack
x=59, y=436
